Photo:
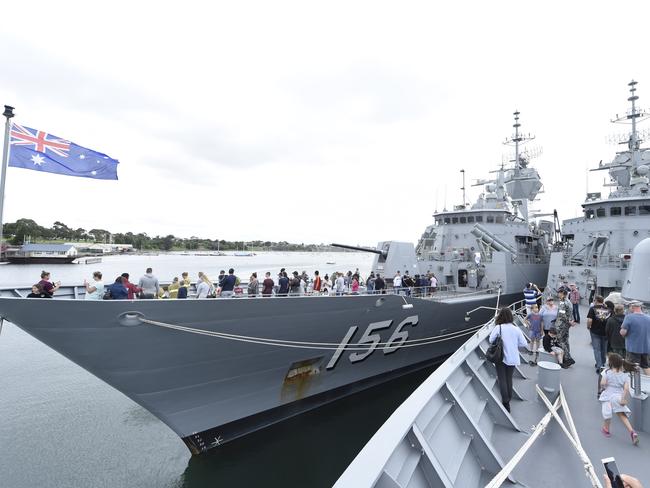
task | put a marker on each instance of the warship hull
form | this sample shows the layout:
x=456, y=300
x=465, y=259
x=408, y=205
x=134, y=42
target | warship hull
x=290, y=354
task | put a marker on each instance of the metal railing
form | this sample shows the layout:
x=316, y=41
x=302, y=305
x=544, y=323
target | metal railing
x=424, y=292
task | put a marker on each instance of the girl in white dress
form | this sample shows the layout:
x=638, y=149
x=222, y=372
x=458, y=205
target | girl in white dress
x=616, y=383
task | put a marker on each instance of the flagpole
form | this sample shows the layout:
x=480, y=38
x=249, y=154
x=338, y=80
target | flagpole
x=8, y=113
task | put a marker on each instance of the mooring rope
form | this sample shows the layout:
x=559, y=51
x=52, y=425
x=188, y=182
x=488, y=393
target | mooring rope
x=325, y=346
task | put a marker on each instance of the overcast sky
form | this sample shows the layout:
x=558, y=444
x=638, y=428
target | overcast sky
x=311, y=122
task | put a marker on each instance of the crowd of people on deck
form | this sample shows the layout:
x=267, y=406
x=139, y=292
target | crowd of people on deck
x=229, y=285
x=620, y=343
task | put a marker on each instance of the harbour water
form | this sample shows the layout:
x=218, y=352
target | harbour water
x=62, y=427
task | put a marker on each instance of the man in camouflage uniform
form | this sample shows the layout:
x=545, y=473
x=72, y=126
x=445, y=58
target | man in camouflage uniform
x=563, y=323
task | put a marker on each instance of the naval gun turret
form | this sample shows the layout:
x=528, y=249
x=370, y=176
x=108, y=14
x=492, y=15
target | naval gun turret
x=391, y=257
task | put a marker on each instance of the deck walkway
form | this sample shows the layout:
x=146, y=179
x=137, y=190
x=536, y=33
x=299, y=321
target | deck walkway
x=552, y=461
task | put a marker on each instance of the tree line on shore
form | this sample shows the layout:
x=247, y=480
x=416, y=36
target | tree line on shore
x=24, y=230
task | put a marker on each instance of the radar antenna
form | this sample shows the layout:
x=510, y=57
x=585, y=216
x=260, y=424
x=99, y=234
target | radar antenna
x=463, y=188
x=635, y=140
x=516, y=140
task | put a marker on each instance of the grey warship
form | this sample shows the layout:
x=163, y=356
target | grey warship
x=453, y=430
x=596, y=248
x=217, y=369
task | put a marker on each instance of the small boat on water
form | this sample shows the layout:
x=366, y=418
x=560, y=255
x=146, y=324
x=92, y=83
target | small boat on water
x=330, y=262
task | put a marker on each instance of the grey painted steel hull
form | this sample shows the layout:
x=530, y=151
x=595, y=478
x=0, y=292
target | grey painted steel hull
x=211, y=390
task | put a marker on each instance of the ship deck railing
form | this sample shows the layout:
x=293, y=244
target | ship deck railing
x=606, y=261
x=468, y=257
x=443, y=292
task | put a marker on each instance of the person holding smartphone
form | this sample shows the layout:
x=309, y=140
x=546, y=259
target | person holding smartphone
x=47, y=286
x=613, y=479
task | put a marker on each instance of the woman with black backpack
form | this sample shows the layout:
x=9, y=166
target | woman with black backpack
x=507, y=337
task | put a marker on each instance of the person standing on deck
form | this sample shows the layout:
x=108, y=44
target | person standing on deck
x=531, y=294
x=615, y=341
x=173, y=288
x=596, y=323
x=563, y=323
x=182, y=290
x=185, y=278
x=95, y=290
x=549, y=314
x=317, y=283
x=370, y=283
x=339, y=284
x=48, y=287
x=615, y=382
x=574, y=298
x=131, y=288
x=37, y=292
x=434, y=283
x=380, y=284
x=267, y=285
x=203, y=286
x=228, y=284
x=513, y=338
x=397, y=283
x=253, y=285
x=354, y=287
x=117, y=289
x=636, y=330
x=149, y=285
x=283, y=283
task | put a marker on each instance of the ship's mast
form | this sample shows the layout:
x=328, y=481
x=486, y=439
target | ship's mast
x=633, y=116
x=516, y=140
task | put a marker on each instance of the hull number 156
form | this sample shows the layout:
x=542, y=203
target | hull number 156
x=371, y=339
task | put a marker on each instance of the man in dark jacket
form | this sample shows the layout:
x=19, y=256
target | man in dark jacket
x=228, y=284
x=380, y=284
x=615, y=341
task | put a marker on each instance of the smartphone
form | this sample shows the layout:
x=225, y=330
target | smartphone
x=612, y=472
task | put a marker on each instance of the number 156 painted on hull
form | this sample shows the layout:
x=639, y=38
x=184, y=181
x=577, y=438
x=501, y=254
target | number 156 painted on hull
x=372, y=340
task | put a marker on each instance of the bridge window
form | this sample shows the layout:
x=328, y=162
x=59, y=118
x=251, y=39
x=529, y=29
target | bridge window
x=615, y=211
x=490, y=219
x=479, y=218
x=499, y=219
x=447, y=221
x=463, y=220
x=589, y=214
x=644, y=209
x=630, y=210
x=470, y=219
x=600, y=212
x=454, y=220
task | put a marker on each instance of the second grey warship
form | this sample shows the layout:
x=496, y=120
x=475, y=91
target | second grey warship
x=596, y=247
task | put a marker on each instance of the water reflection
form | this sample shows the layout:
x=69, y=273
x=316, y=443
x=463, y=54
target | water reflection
x=310, y=450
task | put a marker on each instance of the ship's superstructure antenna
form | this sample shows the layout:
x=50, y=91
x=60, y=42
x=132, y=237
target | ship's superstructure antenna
x=522, y=183
x=463, y=188
x=632, y=116
x=518, y=139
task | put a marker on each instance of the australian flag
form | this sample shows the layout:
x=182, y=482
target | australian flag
x=40, y=151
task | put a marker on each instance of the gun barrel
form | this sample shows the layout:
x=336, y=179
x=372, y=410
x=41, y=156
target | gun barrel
x=356, y=248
